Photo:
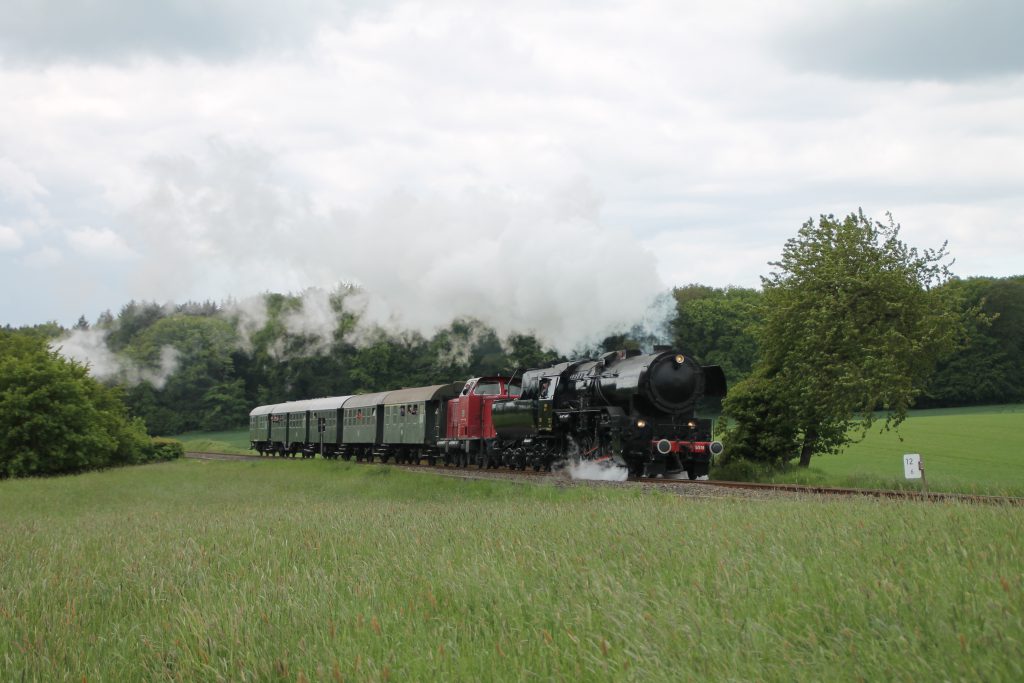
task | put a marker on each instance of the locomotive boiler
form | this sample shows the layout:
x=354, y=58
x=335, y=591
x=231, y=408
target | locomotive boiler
x=632, y=409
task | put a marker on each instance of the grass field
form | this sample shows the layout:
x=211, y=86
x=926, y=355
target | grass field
x=235, y=441
x=976, y=450
x=313, y=570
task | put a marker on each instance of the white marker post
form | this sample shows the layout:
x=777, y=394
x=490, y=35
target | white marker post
x=913, y=468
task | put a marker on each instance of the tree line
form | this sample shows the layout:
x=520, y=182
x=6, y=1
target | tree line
x=718, y=325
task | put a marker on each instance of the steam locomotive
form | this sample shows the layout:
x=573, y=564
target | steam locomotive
x=625, y=408
x=631, y=409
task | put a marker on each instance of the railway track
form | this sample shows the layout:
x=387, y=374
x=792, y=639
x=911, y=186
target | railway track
x=691, y=485
x=937, y=496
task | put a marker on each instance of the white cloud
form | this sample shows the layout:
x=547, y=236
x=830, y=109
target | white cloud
x=44, y=258
x=9, y=238
x=101, y=243
x=44, y=31
x=408, y=145
x=18, y=184
x=909, y=39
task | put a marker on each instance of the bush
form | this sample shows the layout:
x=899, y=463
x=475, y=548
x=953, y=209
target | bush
x=759, y=424
x=160, y=449
x=55, y=418
x=738, y=469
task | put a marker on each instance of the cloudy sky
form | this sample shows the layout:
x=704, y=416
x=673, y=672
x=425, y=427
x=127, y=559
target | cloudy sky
x=553, y=164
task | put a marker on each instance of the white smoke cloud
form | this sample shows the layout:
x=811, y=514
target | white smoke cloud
x=250, y=315
x=90, y=347
x=546, y=264
x=315, y=318
x=597, y=471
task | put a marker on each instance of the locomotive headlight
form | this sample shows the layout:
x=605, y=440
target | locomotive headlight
x=691, y=424
x=641, y=424
x=680, y=359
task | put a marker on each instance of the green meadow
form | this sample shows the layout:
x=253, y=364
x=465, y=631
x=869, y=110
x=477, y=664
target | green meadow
x=236, y=441
x=973, y=450
x=312, y=570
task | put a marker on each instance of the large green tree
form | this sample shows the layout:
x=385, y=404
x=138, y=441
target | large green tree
x=854, y=321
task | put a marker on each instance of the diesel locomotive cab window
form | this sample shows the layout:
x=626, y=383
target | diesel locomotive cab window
x=514, y=390
x=487, y=389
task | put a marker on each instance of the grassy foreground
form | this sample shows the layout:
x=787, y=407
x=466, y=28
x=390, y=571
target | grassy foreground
x=315, y=570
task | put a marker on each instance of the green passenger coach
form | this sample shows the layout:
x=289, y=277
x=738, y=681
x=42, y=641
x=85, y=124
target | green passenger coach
x=298, y=434
x=259, y=428
x=279, y=429
x=362, y=425
x=325, y=425
x=414, y=419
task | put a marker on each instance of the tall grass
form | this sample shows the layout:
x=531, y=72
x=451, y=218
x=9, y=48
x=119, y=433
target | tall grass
x=317, y=570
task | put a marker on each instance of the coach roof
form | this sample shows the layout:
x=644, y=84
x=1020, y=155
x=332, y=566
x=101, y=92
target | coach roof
x=295, y=406
x=417, y=394
x=263, y=410
x=327, y=403
x=364, y=400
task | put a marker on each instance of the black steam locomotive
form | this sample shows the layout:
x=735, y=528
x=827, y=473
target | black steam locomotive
x=628, y=408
